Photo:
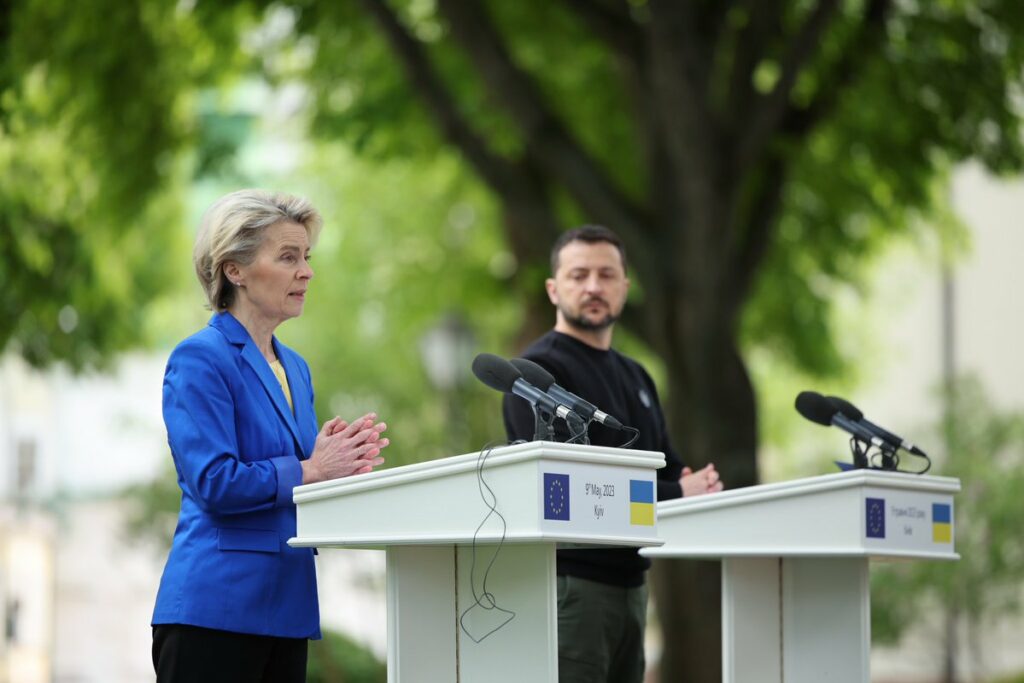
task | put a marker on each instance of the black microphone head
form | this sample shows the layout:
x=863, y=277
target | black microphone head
x=495, y=372
x=533, y=373
x=846, y=408
x=815, y=407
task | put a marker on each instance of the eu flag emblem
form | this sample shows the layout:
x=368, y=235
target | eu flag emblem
x=875, y=517
x=641, y=502
x=942, y=523
x=556, y=496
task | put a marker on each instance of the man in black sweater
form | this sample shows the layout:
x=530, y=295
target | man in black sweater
x=602, y=597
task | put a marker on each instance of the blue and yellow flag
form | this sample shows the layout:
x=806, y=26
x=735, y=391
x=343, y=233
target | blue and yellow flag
x=942, y=523
x=641, y=502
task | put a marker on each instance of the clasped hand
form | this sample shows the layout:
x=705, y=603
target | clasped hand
x=704, y=480
x=345, y=448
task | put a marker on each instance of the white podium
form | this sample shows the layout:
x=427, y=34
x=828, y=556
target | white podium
x=444, y=624
x=795, y=592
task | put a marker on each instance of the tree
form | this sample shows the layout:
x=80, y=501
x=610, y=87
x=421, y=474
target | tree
x=751, y=154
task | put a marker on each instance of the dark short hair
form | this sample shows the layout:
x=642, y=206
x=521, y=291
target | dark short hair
x=590, y=234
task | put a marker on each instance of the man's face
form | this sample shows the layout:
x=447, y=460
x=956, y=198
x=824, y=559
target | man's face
x=589, y=289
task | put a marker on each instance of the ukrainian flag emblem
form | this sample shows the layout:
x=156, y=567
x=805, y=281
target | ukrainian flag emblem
x=641, y=502
x=942, y=523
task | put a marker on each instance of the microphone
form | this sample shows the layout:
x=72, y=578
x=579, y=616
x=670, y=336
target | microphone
x=895, y=441
x=499, y=374
x=541, y=378
x=817, y=408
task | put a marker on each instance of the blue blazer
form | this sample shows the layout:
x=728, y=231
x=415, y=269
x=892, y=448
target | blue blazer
x=236, y=447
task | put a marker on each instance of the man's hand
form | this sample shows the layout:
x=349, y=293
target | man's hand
x=704, y=480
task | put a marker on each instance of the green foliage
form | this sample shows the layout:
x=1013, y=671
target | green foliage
x=1014, y=678
x=985, y=450
x=152, y=510
x=94, y=109
x=339, y=659
x=941, y=91
x=358, y=87
x=364, y=99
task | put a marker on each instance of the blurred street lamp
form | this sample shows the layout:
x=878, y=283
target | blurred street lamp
x=447, y=352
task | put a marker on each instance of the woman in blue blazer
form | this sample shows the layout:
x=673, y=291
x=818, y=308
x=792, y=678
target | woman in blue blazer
x=236, y=603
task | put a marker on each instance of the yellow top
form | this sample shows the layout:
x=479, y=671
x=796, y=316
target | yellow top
x=282, y=378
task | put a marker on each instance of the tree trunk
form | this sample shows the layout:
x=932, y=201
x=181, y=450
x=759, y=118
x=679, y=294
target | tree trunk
x=687, y=598
x=530, y=229
x=951, y=642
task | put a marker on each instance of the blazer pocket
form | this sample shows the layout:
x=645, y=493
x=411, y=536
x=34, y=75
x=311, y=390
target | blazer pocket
x=256, y=540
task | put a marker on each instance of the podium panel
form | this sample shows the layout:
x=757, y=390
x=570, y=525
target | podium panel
x=526, y=646
x=457, y=612
x=751, y=614
x=421, y=613
x=795, y=584
x=447, y=635
x=826, y=619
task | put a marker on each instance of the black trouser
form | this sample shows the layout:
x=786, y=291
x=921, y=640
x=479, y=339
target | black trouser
x=600, y=632
x=190, y=654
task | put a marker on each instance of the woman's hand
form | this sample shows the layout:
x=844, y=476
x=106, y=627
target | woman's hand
x=343, y=449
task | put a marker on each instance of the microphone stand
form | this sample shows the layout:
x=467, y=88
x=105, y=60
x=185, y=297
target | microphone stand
x=544, y=427
x=889, y=459
x=860, y=453
x=583, y=434
x=543, y=424
x=860, y=456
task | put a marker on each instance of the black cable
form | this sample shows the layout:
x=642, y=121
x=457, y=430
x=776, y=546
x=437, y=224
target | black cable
x=636, y=435
x=883, y=460
x=927, y=466
x=485, y=595
x=860, y=453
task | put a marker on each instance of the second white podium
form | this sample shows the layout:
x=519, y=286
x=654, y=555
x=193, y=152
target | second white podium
x=795, y=594
x=435, y=521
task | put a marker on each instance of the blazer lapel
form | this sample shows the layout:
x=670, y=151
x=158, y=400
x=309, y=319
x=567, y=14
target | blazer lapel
x=237, y=334
x=269, y=381
x=302, y=399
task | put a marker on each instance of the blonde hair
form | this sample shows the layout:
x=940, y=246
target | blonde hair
x=232, y=230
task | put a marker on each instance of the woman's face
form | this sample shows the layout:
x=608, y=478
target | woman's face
x=274, y=285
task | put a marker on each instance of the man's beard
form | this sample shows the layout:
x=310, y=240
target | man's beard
x=580, y=322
